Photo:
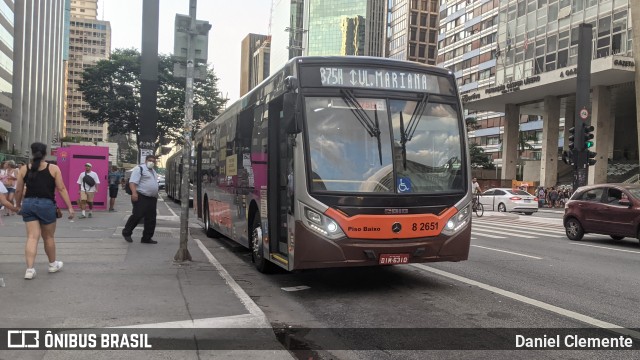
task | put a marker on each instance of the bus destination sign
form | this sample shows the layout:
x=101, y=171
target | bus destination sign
x=378, y=79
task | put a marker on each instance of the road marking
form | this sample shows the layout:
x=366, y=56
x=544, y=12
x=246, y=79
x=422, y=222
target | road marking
x=608, y=248
x=502, y=232
x=253, y=308
x=508, y=252
x=295, y=288
x=171, y=210
x=487, y=228
x=542, y=305
x=222, y=322
x=487, y=235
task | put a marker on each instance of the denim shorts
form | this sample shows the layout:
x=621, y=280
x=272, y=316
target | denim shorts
x=40, y=209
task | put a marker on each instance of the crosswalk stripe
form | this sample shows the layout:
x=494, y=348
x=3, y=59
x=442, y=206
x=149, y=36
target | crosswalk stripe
x=547, y=229
x=487, y=235
x=503, y=232
x=532, y=232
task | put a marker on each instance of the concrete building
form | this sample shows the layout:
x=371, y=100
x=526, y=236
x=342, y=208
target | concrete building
x=286, y=30
x=413, y=30
x=89, y=42
x=84, y=9
x=37, y=73
x=252, y=71
x=336, y=27
x=261, y=61
x=6, y=70
x=516, y=68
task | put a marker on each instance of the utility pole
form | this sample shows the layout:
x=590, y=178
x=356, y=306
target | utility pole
x=149, y=79
x=183, y=251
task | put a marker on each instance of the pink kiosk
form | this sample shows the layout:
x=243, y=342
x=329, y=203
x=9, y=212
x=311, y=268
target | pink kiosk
x=71, y=161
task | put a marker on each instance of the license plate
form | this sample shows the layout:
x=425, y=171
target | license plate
x=392, y=259
x=527, y=200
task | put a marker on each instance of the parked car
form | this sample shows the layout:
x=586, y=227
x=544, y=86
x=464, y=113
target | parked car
x=509, y=200
x=608, y=209
x=161, y=182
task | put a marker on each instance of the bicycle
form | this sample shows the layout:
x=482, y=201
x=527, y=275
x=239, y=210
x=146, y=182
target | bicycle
x=476, y=206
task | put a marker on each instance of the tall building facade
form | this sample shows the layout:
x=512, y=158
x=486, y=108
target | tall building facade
x=335, y=27
x=534, y=84
x=84, y=9
x=261, y=59
x=89, y=42
x=286, y=30
x=37, y=73
x=6, y=70
x=248, y=68
x=413, y=30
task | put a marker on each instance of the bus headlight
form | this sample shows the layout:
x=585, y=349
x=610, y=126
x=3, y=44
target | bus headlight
x=457, y=221
x=322, y=224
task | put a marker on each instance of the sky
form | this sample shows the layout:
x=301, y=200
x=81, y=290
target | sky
x=231, y=21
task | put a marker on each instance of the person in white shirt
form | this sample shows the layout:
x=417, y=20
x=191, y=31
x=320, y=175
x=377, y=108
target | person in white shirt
x=3, y=199
x=475, y=187
x=87, y=190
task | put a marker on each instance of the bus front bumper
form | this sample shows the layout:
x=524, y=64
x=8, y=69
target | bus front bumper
x=314, y=251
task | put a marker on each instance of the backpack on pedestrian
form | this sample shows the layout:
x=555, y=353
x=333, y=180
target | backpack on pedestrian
x=89, y=180
x=127, y=188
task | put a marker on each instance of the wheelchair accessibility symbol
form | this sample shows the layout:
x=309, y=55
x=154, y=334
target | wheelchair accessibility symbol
x=404, y=185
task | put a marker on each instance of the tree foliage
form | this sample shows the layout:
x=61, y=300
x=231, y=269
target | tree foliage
x=479, y=159
x=112, y=90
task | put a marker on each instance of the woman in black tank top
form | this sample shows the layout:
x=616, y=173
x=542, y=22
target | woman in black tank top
x=38, y=209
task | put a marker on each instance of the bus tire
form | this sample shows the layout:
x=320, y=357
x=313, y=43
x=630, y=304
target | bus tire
x=207, y=222
x=257, y=247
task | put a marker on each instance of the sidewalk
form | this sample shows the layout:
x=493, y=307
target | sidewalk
x=107, y=282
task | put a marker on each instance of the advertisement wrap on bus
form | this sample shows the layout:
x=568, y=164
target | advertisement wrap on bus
x=339, y=162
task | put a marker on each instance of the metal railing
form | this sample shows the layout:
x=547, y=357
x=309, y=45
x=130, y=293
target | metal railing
x=632, y=180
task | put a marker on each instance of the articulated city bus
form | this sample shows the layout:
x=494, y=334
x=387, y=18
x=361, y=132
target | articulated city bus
x=340, y=161
x=173, y=176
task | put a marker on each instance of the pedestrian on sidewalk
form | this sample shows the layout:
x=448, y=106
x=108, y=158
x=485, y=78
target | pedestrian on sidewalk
x=144, y=197
x=4, y=201
x=39, y=207
x=9, y=175
x=115, y=178
x=88, y=187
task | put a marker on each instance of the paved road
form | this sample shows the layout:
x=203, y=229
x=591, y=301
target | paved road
x=522, y=273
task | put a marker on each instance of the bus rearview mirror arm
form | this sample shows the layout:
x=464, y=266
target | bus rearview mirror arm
x=291, y=107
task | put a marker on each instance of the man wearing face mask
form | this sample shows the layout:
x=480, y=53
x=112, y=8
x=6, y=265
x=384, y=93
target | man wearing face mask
x=144, y=197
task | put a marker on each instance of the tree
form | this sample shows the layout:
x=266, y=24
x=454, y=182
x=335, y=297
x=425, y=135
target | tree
x=479, y=159
x=112, y=90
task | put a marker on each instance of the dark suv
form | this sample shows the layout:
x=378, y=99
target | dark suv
x=609, y=209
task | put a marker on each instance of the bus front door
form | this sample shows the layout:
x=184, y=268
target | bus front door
x=279, y=194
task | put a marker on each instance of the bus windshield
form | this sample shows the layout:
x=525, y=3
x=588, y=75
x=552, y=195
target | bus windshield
x=351, y=151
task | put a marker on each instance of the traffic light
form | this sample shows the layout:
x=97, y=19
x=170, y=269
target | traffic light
x=591, y=157
x=572, y=138
x=567, y=157
x=588, y=136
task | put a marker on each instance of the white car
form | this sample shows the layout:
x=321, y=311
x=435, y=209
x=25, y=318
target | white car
x=509, y=200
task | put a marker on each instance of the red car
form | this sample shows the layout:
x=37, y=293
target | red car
x=608, y=209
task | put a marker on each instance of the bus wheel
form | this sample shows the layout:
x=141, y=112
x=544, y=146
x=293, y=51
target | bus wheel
x=207, y=222
x=257, y=247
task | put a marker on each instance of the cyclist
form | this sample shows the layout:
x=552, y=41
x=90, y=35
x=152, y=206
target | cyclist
x=476, y=190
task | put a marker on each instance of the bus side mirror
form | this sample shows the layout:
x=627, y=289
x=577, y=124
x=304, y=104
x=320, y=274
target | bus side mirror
x=289, y=110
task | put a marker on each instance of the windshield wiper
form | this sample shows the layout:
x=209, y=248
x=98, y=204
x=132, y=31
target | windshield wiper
x=407, y=133
x=373, y=128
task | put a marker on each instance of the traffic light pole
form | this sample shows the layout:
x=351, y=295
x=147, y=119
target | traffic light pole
x=183, y=251
x=583, y=108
